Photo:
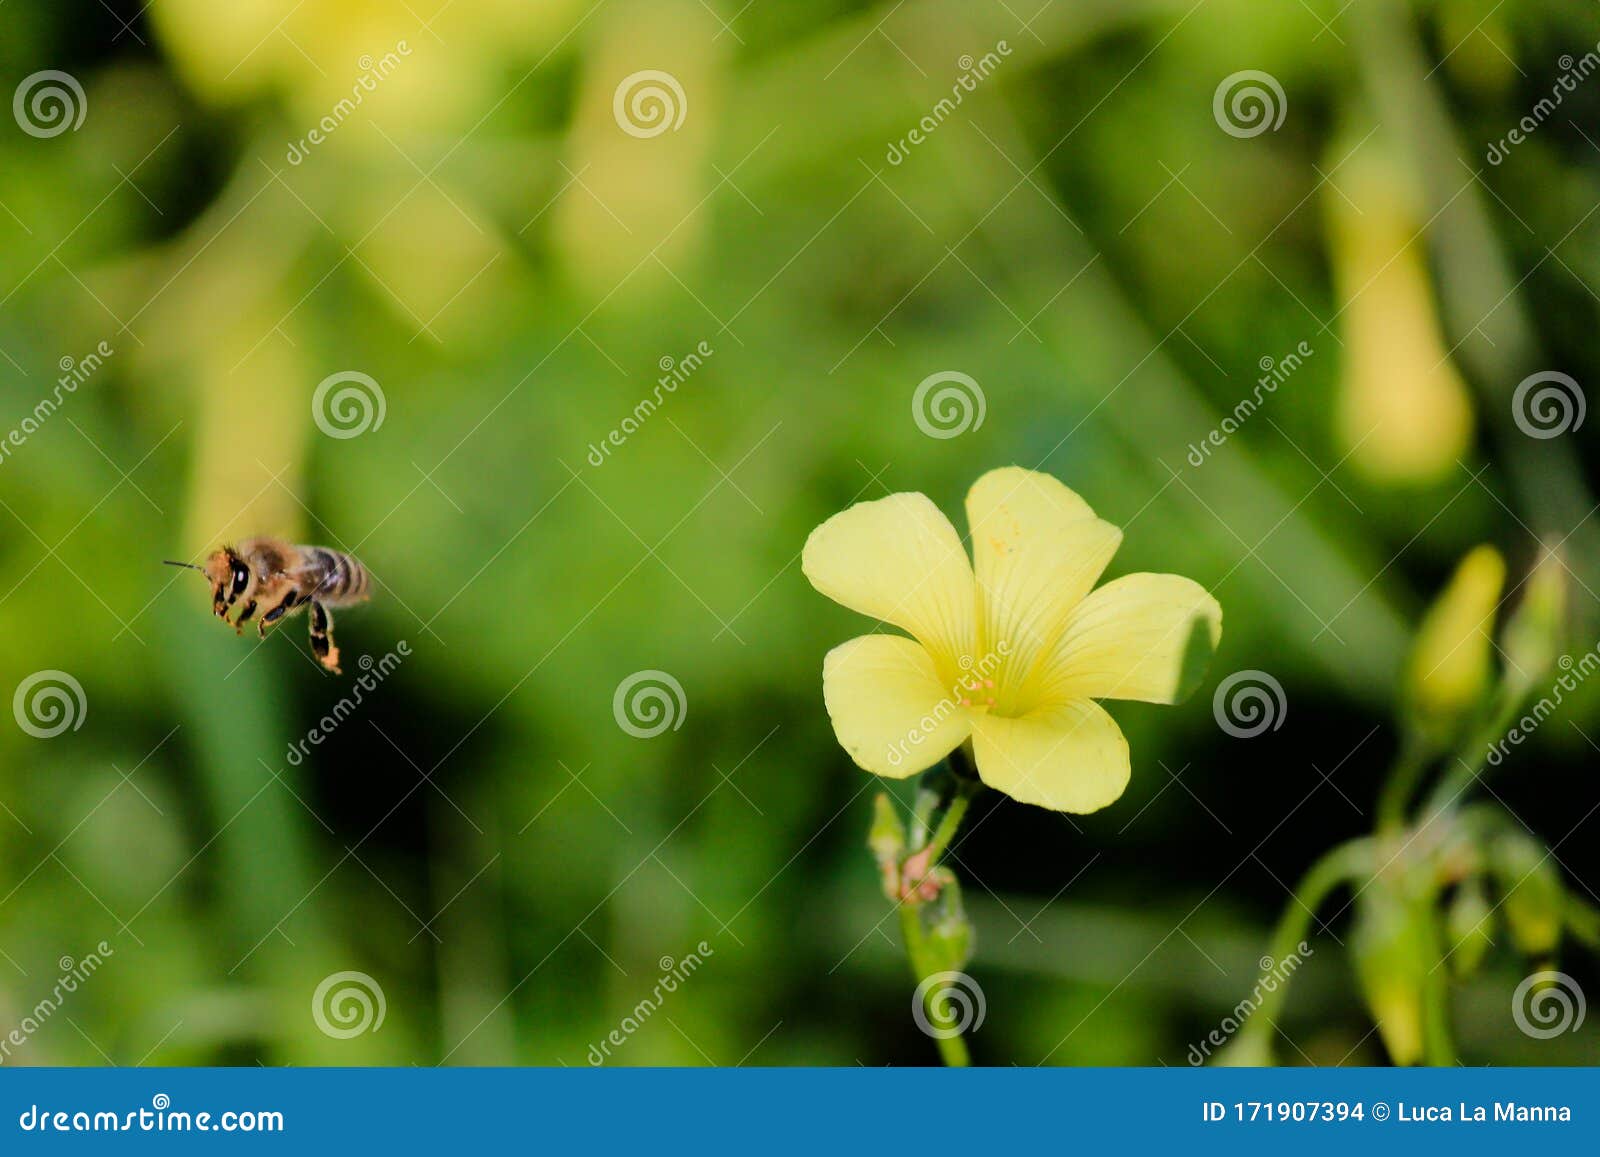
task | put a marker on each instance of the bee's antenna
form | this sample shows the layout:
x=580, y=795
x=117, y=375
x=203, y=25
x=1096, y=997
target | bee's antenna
x=190, y=565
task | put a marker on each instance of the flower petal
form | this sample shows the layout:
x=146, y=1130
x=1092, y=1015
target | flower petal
x=887, y=705
x=899, y=560
x=1070, y=757
x=1142, y=636
x=1038, y=550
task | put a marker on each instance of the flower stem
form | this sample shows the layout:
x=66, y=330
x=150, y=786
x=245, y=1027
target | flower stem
x=1475, y=753
x=953, y=792
x=1437, y=1046
x=951, y=821
x=1345, y=862
x=1402, y=782
x=952, y=1049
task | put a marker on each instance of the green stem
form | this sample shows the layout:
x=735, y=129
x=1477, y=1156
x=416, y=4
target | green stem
x=1471, y=757
x=1402, y=782
x=950, y=822
x=952, y=1049
x=954, y=791
x=1343, y=863
x=1437, y=1046
x=1583, y=920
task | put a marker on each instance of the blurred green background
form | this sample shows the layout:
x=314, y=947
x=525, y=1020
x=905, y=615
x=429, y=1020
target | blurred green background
x=482, y=237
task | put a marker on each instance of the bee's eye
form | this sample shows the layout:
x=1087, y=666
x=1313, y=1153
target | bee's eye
x=241, y=577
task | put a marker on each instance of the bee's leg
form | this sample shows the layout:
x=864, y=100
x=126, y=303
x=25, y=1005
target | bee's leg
x=249, y=609
x=322, y=637
x=277, y=612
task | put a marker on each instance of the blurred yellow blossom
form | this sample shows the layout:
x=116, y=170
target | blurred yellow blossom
x=312, y=55
x=1403, y=410
x=1008, y=650
x=1448, y=672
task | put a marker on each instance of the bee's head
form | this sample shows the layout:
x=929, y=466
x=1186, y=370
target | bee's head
x=229, y=577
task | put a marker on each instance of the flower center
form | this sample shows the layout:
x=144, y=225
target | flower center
x=975, y=694
x=977, y=682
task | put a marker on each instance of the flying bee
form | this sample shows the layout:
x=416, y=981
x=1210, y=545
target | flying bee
x=279, y=578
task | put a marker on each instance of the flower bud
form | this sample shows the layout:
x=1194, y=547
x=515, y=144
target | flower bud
x=1448, y=672
x=1469, y=923
x=1535, y=632
x=1535, y=901
x=1403, y=410
x=1389, y=944
x=887, y=836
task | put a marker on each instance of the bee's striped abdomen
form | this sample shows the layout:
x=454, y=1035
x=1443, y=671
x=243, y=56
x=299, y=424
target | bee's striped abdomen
x=343, y=578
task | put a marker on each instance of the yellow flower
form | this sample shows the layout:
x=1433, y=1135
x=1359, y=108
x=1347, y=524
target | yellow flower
x=1009, y=650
